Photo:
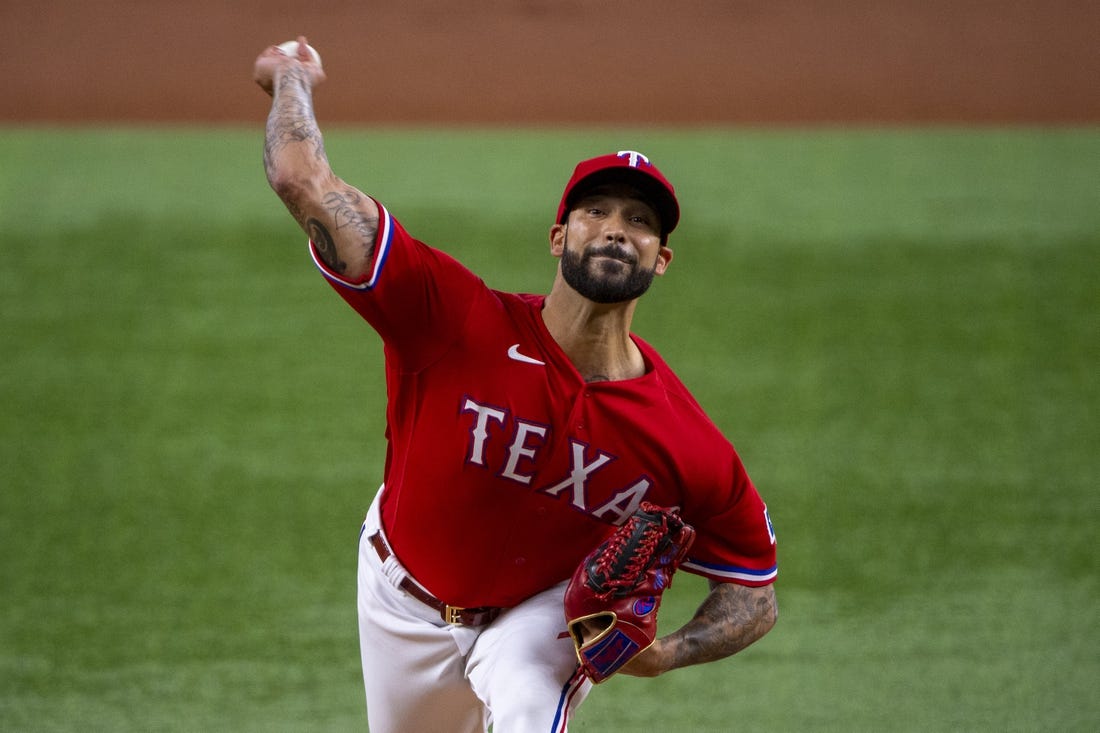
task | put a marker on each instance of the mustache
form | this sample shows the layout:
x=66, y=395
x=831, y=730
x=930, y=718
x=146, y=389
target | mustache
x=614, y=252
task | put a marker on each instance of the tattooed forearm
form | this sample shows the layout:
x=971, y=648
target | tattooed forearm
x=325, y=246
x=731, y=618
x=291, y=120
x=340, y=220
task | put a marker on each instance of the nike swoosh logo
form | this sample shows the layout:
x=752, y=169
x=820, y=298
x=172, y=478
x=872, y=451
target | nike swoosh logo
x=513, y=353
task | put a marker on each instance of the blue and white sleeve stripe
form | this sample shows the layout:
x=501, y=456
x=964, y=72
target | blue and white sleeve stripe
x=730, y=572
x=385, y=239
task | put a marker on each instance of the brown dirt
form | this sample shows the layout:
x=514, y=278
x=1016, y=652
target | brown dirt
x=562, y=61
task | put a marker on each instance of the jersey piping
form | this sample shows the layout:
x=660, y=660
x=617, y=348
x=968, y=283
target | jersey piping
x=747, y=576
x=382, y=251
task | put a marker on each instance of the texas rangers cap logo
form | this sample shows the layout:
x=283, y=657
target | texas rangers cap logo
x=633, y=157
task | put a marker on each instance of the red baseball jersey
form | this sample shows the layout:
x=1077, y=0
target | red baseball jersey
x=504, y=467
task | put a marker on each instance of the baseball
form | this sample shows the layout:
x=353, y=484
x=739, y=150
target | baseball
x=290, y=48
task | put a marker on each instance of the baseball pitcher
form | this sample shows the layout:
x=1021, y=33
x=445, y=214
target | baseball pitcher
x=546, y=472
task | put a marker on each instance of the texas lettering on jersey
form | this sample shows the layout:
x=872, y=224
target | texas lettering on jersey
x=527, y=439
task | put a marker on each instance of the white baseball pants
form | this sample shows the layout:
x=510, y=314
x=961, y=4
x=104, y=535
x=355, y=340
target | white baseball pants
x=518, y=674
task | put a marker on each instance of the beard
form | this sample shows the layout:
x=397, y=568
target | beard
x=603, y=282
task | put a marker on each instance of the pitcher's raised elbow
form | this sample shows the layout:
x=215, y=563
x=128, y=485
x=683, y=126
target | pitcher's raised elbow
x=288, y=186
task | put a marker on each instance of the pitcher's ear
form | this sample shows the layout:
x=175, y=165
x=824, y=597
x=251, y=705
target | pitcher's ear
x=557, y=239
x=664, y=259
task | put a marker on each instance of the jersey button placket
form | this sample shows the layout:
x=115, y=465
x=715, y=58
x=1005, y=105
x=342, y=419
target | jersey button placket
x=577, y=416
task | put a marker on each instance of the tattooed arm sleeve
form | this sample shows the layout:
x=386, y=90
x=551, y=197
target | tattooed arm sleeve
x=341, y=221
x=730, y=618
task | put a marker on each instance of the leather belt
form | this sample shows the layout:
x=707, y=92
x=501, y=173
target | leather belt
x=451, y=614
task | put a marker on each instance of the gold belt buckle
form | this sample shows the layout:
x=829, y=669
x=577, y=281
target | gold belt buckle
x=453, y=614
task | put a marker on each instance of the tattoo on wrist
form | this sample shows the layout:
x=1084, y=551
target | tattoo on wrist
x=325, y=246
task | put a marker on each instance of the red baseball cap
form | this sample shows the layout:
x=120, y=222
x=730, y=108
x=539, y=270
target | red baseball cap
x=629, y=166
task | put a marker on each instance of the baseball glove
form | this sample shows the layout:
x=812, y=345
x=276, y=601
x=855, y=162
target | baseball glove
x=612, y=600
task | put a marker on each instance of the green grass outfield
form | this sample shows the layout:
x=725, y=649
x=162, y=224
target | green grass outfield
x=898, y=329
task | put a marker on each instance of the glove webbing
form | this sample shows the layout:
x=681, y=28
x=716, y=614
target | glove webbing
x=627, y=556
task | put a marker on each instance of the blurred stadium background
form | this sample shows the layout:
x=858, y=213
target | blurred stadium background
x=884, y=292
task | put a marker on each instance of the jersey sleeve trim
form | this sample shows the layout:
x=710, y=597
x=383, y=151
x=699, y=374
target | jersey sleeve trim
x=382, y=251
x=731, y=572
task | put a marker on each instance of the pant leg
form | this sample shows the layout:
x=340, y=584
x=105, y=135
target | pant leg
x=413, y=664
x=525, y=672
